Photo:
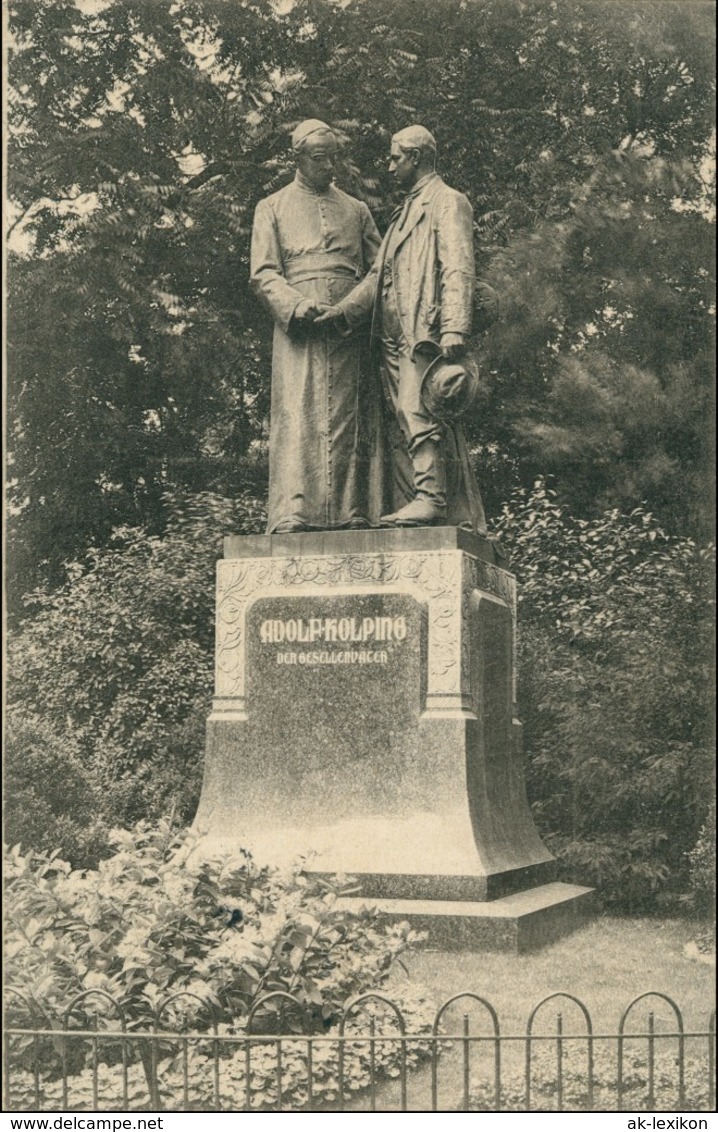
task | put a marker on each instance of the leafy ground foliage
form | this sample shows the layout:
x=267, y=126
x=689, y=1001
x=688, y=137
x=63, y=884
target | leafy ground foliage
x=635, y=1094
x=193, y=1078
x=156, y=935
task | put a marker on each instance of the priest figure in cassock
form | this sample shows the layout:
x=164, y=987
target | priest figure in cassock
x=311, y=244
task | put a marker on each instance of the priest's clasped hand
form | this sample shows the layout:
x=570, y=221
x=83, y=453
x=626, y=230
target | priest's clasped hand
x=330, y=314
x=309, y=311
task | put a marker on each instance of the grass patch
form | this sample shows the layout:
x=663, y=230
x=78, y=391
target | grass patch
x=606, y=964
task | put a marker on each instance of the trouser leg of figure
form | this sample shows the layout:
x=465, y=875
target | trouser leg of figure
x=429, y=505
x=423, y=435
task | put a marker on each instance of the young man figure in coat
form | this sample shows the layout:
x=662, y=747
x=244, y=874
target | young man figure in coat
x=420, y=293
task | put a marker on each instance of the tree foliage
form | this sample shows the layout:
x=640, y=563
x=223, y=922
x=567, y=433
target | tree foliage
x=603, y=363
x=702, y=860
x=54, y=802
x=141, y=137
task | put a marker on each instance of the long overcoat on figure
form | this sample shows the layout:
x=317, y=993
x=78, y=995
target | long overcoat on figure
x=433, y=275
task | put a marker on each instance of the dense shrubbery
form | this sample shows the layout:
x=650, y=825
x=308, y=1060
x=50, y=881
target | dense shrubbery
x=615, y=659
x=702, y=860
x=115, y=670
x=156, y=920
x=52, y=799
x=112, y=680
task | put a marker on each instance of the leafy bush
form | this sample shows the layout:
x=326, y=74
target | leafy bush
x=615, y=666
x=52, y=800
x=116, y=667
x=158, y=935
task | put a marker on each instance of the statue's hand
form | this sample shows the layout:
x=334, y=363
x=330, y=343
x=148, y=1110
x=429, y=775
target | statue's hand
x=330, y=314
x=308, y=310
x=452, y=346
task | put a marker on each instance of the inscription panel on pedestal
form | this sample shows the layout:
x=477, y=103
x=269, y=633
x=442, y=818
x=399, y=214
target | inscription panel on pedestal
x=336, y=678
x=435, y=579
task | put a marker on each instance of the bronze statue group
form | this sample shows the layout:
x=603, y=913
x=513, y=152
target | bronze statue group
x=372, y=363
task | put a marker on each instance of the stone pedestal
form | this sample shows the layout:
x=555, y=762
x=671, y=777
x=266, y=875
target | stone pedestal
x=364, y=720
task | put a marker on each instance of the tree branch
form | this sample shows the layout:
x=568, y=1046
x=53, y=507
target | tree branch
x=42, y=205
x=214, y=169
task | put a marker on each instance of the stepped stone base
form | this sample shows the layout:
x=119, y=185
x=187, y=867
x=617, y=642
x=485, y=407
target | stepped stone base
x=524, y=921
x=364, y=722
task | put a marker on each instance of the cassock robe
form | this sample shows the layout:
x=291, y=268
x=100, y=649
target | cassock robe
x=324, y=446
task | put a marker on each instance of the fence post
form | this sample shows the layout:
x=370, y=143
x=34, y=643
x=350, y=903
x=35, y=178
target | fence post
x=247, y=1071
x=29, y=1009
x=6, y=1069
x=651, y=1059
x=465, y=1057
x=559, y=1049
x=63, y=1061
x=651, y=1036
x=153, y=1081
x=712, y=1060
x=93, y=1025
x=352, y=1006
x=154, y=1084
x=310, y=1074
x=466, y=1040
x=95, y=1065
x=281, y=997
x=559, y=1059
x=372, y=1064
x=215, y=1068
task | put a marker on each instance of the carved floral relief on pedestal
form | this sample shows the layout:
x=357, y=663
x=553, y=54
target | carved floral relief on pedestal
x=443, y=580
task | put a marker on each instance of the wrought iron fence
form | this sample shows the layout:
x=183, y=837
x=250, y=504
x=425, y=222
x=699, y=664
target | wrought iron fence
x=95, y=1059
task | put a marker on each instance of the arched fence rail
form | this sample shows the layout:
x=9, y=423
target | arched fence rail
x=96, y=1055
